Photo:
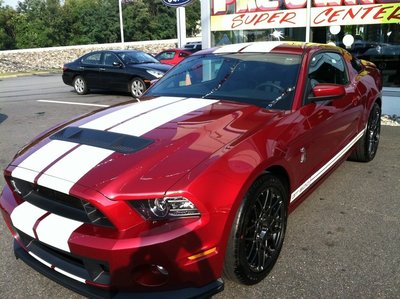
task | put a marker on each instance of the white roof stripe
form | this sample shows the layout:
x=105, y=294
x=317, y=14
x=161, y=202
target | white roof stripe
x=264, y=47
x=116, y=117
x=55, y=231
x=259, y=47
x=233, y=48
x=25, y=216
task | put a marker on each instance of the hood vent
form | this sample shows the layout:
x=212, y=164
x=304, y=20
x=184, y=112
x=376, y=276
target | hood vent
x=117, y=142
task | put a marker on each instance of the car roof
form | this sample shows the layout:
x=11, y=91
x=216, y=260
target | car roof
x=267, y=47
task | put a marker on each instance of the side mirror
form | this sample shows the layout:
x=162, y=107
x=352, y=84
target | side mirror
x=323, y=92
x=117, y=64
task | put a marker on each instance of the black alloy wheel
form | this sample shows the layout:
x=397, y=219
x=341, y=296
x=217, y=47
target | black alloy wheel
x=367, y=146
x=258, y=231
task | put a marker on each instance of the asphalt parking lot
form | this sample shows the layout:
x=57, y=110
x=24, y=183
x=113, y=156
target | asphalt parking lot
x=342, y=242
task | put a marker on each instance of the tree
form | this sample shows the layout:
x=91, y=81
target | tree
x=39, y=24
x=7, y=29
x=90, y=22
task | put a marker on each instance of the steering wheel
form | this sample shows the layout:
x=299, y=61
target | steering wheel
x=263, y=86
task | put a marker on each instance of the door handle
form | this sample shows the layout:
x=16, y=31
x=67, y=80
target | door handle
x=102, y=69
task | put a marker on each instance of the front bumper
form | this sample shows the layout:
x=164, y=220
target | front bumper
x=94, y=292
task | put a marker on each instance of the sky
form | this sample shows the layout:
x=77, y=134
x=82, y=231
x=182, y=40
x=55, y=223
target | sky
x=12, y=3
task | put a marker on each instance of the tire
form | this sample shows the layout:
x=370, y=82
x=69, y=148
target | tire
x=80, y=85
x=258, y=231
x=137, y=87
x=367, y=146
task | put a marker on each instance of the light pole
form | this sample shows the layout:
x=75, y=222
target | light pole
x=121, y=22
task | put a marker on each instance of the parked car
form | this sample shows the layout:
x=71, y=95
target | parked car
x=161, y=197
x=193, y=46
x=172, y=56
x=117, y=70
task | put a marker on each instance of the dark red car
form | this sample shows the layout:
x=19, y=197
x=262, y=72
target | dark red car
x=160, y=198
x=172, y=56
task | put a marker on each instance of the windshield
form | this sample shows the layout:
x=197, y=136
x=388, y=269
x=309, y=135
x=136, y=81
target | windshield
x=137, y=57
x=264, y=79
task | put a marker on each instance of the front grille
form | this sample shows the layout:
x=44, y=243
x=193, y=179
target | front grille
x=87, y=269
x=59, y=203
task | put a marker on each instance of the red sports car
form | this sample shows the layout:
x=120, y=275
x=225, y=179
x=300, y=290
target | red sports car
x=160, y=198
x=172, y=56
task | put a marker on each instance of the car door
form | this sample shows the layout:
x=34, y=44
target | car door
x=113, y=73
x=90, y=67
x=325, y=126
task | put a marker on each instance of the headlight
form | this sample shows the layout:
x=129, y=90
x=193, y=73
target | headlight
x=155, y=73
x=165, y=208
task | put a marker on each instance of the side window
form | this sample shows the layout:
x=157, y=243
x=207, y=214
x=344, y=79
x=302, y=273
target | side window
x=166, y=56
x=110, y=58
x=356, y=64
x=327, y=67
x=92, y=59
x=183, y=54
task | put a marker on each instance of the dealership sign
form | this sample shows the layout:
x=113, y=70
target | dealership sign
x=176, y=3
x=264, y=14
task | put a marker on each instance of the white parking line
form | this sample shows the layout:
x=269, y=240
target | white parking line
x=73, y=103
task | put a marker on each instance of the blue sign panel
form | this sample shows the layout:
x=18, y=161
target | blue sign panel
x=176, y=3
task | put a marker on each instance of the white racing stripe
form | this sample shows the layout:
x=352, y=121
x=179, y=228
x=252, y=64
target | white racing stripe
x=154, y=119
x=40, y=159
x=56, y=268
x=56, y=230
x=69, y=275
x=25, y=216
x=264, y=47
x=73, y=167
x=40, y=259
x=116, y=117
x=325, y=168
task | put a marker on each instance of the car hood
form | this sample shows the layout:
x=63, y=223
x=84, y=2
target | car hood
x=151, y=66
x=138, y=149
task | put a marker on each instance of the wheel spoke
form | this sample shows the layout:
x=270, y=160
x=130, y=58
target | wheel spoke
x=263, y=232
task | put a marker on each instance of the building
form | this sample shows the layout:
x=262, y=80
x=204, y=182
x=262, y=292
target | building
x=370, y=29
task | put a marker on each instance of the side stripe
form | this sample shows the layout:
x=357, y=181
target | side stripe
x=25, y=216
x=325, y=168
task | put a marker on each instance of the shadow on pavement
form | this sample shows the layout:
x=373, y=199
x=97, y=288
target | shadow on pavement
x=3, y=117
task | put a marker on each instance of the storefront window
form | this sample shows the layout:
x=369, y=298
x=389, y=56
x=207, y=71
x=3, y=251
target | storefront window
x=219, y=38
x=370, y=29
x=378, y=43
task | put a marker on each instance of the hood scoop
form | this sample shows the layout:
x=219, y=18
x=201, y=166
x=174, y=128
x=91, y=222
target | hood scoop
x=117, y=142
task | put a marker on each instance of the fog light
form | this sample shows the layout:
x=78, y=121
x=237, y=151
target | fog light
x=162, y=270
x=150, y=275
